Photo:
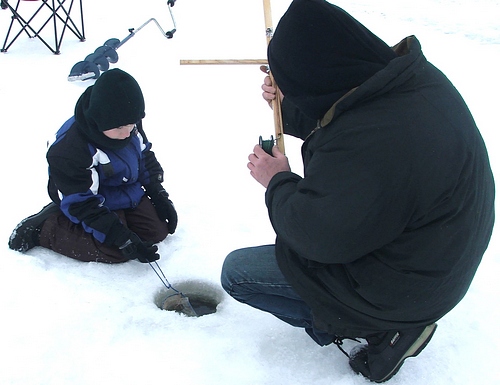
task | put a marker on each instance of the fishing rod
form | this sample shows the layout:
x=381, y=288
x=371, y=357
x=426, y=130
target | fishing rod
x=279, y=139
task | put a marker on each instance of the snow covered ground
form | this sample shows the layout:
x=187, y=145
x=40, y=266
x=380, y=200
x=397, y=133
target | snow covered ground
x=65, y=322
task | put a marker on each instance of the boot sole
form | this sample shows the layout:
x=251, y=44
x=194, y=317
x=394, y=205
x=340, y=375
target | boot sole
x=30, y=222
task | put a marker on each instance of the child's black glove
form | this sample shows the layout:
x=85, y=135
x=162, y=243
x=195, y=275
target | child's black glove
x=163, y=205
x=134, y=248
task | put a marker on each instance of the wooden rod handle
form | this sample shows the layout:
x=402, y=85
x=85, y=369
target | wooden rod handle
x=222, y=61
x=276, y=103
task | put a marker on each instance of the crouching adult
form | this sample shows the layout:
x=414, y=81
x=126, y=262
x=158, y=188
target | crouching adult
x=383, y=234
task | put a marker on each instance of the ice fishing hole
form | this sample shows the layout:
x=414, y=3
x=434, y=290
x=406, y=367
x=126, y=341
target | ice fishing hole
x=203, y=298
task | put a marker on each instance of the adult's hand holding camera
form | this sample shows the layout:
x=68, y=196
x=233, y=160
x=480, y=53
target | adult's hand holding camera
x=135, y=248
x=263, y=166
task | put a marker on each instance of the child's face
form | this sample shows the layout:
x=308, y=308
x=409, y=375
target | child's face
x=122, y=132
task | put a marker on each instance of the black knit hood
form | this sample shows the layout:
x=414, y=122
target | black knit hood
x=114, y=100
x=319, y=52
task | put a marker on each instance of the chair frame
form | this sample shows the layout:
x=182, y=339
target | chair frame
x=58, y=12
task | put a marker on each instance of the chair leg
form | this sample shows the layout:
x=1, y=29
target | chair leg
x=22, y=22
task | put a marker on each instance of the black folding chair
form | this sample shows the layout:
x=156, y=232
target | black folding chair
x=49, y=12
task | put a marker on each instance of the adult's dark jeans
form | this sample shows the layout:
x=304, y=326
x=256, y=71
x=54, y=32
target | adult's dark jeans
x=252, y=276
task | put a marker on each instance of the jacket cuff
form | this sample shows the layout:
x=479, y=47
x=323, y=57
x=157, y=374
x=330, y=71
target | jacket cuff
x=117, y=235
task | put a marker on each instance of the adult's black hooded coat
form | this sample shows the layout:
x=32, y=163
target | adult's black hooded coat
x=396, y=207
